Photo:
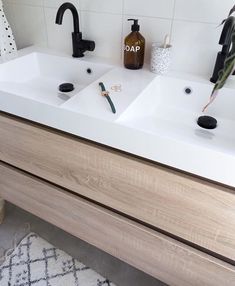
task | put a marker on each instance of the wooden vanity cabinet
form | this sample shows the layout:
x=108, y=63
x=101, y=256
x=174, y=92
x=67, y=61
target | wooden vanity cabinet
x=2, y=210
x=176, y=227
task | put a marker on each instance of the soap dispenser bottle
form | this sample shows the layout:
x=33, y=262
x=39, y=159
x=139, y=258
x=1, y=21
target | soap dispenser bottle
x=134, y=48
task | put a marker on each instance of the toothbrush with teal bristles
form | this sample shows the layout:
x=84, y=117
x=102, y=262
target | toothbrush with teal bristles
x=105, y=93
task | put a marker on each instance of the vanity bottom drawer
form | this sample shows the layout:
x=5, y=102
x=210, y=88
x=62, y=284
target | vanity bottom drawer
x=164, y=258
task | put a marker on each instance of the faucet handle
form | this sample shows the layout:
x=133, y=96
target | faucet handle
x=80, y=46
x=89, y=45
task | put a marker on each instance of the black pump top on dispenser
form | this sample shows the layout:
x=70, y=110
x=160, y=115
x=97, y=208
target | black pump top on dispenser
x=135, y=27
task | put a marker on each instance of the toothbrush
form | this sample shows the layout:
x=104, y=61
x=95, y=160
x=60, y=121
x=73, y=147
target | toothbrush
x=166, y=41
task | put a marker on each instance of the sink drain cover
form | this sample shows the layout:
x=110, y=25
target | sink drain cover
x=207, y=122
x=66, y=87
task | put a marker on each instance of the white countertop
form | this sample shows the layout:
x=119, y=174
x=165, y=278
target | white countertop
x=103, y=127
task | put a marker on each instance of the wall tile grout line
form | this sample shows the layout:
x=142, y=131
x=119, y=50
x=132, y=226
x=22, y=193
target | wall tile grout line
x=45, y=22
x=172, y=20
x=122, y=35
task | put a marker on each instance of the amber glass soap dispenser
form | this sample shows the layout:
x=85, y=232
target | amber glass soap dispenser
x=134, y=48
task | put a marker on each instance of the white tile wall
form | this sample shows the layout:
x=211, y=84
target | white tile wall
x=211, y=11
x=150, y=8
x=105, y=30
x=195, y=46
x=192, y=25
x=28, y=24
x=105, y=6
x=59, y=36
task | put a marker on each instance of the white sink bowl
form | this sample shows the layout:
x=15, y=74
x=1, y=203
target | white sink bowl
x=37, y=76
x=164, y=109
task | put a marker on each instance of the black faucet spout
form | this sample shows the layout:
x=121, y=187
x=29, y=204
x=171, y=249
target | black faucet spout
x=60, y=15
x=79, y=45
x=226, y=35
x=225, y=41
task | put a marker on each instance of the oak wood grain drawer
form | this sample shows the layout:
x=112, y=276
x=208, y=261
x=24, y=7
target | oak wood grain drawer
x=192, y=209
x=171, y=261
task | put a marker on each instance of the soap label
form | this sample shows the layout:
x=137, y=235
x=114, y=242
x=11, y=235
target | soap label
x=133, y=49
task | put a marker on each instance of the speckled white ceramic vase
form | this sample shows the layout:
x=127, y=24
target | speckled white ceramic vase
x=160, y=58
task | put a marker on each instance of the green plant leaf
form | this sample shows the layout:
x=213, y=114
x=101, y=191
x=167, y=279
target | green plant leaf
x=231, y=11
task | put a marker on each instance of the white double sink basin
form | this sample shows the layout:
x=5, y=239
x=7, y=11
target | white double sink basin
x=156, y=118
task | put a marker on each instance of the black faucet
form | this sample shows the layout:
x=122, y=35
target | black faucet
x=79, y=45
x=225, y=41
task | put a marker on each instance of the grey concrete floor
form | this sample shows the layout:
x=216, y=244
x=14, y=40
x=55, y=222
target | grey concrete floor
x=119, y=272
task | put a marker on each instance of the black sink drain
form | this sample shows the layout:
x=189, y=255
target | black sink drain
x=207, y=122
x=66, y=87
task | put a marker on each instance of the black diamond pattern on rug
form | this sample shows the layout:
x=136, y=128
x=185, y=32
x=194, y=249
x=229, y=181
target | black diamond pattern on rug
x=36, y=262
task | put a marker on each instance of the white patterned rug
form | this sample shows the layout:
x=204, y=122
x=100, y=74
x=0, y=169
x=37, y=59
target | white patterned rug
x=35, y=262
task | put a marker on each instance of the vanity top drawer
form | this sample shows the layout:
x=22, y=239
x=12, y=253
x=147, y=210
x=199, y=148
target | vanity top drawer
x=191, y=209
x=154, y=253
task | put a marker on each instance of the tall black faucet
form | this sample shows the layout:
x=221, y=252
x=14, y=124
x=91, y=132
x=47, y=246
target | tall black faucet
x=225, y=41
x=79, y=45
